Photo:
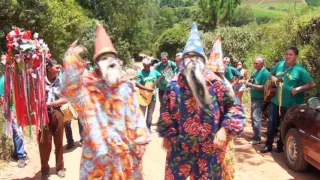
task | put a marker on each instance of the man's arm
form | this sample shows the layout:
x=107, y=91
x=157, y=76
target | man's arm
x=304, y=88
x=139, y=82
x=258, y=87
x=58, y=102
x=144, y=87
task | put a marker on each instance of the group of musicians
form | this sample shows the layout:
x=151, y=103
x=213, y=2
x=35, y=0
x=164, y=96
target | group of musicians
x=287, y=75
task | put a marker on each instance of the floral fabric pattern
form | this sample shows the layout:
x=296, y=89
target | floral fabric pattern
x=191, y=130
x=113, y=123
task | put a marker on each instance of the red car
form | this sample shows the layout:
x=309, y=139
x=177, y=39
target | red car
x=300, y=132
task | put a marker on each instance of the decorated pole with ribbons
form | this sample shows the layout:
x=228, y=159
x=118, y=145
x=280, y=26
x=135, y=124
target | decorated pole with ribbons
x=24, y=80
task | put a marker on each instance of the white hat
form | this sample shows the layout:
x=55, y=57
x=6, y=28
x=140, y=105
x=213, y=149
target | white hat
x=226, y=59
x=146, y=61
x=179, y=55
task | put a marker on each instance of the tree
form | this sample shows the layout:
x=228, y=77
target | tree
x=171, y=3
x=120, y=19
x=165, y=20
x=58, y=23
x=216, y=12
x=313, y=2
x=242, y=16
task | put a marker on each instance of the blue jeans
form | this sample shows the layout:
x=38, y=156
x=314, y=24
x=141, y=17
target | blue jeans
x=18, y=143
x=256, y=115
x=68, y=131
x=273, y=124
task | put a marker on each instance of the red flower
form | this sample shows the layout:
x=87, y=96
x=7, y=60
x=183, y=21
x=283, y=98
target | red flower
x=207, y=147
x=203, y=166
x=9, y=37
x=192, y=126
x=206, y=130
x=168, y=174
x=17, y=31
x=172, y=99
x=204, y=176
x=176, y=115
x=9, y=45
x=166, y=117
x=195, y=148
x=184, y=170
x=27, y=35
x=191, y=105
x=185, y=147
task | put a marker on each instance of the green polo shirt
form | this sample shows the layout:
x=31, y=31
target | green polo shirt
x=231, y=72
x=143, y=77
x=2, y=90
x=260, y=78
x=2, y=86
x=295, y=77
x=160, y=67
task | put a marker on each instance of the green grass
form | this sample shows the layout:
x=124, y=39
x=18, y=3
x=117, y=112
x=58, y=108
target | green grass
x=278, y=13
x=270, y=1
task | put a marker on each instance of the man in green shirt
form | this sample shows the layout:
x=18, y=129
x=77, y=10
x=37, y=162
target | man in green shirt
x=231, y=73
x=160, y=67
x=296, y=80
x=259, y=78
x=142, y=77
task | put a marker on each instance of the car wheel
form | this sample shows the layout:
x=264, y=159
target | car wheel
x=293, y=151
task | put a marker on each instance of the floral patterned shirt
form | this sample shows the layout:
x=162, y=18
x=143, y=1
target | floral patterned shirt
x=182, y=120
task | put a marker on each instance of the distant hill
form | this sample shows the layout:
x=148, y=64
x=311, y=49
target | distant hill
x=270, y=1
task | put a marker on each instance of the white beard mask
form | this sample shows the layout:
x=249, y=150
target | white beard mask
x=111, y=70
x=193, y=72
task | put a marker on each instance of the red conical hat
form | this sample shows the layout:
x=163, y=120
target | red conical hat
x=103, y=43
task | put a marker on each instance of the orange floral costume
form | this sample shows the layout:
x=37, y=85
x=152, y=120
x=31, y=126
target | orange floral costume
x=113, y=123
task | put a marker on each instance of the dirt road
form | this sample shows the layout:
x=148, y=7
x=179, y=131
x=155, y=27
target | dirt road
x=251, y=165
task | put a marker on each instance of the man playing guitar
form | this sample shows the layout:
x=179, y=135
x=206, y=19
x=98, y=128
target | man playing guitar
x=292, y=80
x=143, y=76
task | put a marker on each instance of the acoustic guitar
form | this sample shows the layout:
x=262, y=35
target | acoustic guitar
x=145, y=97
x=269, y=91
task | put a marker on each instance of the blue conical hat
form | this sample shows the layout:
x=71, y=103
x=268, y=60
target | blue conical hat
x=194, y=43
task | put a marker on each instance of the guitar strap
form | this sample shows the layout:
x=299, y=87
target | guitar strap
x=280, y=88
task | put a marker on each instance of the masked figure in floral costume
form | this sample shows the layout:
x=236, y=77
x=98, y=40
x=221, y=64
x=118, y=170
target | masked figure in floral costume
x=196, y=119
x=115, y=132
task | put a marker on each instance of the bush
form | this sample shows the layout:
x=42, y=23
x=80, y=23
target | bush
x=172, y=41
x=236, y=41
x=6, y=144
x=263, y=19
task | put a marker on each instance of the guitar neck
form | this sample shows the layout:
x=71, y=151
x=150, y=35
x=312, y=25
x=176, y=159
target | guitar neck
x=156, y=82
x=163, y=74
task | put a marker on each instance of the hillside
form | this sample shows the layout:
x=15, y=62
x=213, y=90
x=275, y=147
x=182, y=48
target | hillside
x=273, y=9
x=270, y=1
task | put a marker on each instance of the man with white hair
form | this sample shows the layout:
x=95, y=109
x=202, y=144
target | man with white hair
x=231, y=73
x=147, y=75
x=115, y=133
x=256, y=85
x=178, y=59
x=196, y=118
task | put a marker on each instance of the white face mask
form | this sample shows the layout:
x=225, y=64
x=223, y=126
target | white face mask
x=110, y=69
